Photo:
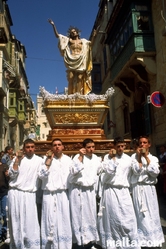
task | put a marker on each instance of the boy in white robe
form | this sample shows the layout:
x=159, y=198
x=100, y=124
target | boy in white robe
x=23, y=220
x=116, y=218
x=55, y=222
x=83, y=178
x=145, y=171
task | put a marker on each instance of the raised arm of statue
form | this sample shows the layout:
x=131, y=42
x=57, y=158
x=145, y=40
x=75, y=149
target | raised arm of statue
x=53, y=25
x=95, y=32
x=77, y=58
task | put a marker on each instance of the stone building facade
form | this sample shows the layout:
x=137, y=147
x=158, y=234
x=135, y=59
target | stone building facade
x=130, y=53
x=43, y=126
x=17, y=115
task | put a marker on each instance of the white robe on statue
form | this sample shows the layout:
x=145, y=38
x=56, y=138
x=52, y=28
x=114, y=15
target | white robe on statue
x=145, y=201
x=23, y=220
x=81, y=62
x=55, y=223
x=116, y=218
x=83, y=178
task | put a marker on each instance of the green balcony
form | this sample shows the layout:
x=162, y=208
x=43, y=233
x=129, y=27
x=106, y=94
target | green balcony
x=21, y=117
x=137, y=45
x=130, y=35
x=13, y=112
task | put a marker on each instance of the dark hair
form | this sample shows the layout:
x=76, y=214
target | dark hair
x=28, y=141
x=87, y=141
x=8, y=148
x=56, y=139
x=118, y=140
x=135, y=142
x=163, y=146
x=76, y=29
x=144, y=136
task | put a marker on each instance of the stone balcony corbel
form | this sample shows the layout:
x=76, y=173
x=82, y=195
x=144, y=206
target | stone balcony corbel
x=149, y=63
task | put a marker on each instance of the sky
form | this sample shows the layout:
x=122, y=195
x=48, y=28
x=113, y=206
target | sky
x=44, y=64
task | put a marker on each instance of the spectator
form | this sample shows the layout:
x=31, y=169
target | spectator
x=1, y=154
x=7, y=157
x=162, y=156
x=3, y=200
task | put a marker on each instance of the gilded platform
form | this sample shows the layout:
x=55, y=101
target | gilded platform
x=73, y=118
x=76, y=110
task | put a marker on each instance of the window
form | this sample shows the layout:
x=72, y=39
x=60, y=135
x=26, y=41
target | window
x=42, y=111
x=122, y=37
x=21, y=106
x=143, y=22
x=126, y=34
x=45, y=124
x=11, y=101
x=143, y=17
x=130, y=27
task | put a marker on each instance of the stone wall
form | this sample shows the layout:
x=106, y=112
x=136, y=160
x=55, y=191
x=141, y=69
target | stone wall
x=159, y=84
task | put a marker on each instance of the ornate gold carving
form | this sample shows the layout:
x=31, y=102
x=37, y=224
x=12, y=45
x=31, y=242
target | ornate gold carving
x=75, y=118
x=76, y=132
x=80, y=112
x=72, y=147
x=105, y=146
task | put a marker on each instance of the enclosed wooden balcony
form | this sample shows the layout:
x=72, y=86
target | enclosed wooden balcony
x=130, y=37
x=21, y=117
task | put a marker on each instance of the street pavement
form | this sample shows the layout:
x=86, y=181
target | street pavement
x=162, y=210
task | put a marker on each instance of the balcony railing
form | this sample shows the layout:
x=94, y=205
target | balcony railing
x=13, y=112
x=21, y=116
x=143, y=43
x=9, y=67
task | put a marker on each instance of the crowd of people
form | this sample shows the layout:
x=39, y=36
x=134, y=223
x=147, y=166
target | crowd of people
x=5, y=160
x=52, y=199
